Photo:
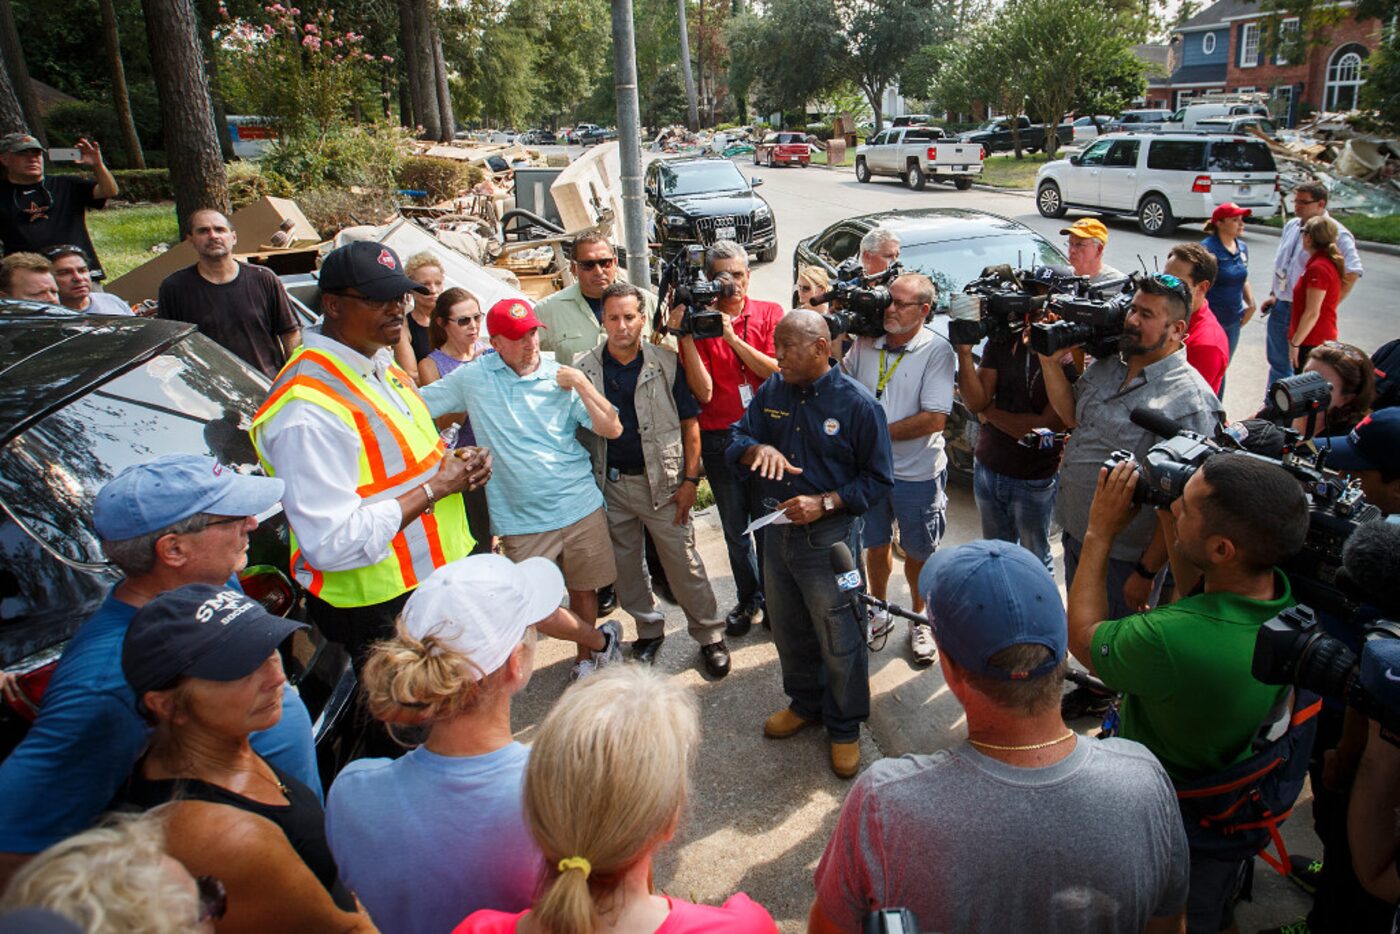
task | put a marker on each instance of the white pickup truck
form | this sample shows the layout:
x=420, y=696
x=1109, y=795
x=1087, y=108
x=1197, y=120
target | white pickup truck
x=917, y=154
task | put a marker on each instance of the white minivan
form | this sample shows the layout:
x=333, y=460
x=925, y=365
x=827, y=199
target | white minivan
x=1161, y=178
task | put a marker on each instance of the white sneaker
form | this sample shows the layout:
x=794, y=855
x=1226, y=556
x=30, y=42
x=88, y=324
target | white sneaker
x=610, y=654
x=582, y=669
x=878, y=623
x=921, y=644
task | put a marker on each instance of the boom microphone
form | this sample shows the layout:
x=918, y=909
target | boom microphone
x=1151, y=420
x=1371, y=563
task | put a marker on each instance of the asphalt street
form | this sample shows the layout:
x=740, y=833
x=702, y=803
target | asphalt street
x=762, y=810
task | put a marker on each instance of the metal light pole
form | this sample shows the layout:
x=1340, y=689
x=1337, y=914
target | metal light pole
x=629, y=135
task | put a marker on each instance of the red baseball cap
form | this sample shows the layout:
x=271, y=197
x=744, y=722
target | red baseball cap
x=511, y=318
x=1228, y=210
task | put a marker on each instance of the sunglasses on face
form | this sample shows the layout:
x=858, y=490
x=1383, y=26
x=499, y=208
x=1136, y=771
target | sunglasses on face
x=592, y=264
x=381, y=305
x=213, y=899
x=1303, y=201
x=465, y=320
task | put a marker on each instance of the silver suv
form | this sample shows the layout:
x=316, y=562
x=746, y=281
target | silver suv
x=1161, y=178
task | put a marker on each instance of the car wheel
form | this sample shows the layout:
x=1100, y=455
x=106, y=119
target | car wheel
x=769, y=254
x=914, y=178
x=962, y=183
x=1155, y=217
x=772, y=161
x=756, y=160
x=862, y=171
x=1048, y=201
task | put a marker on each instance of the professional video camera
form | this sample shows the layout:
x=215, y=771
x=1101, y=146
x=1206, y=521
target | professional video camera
x=1092, y=318
x=1293, y=649
x=1001, y=303
x=683, y=282
x=858, y=301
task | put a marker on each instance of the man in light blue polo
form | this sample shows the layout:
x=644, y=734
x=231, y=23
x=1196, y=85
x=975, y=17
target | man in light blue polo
x=543, y=498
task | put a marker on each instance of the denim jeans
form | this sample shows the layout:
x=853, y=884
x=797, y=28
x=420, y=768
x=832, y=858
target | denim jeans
x=736, y=499
x=1016, y=510
x=1118, y=573
x=1279, y=365
x=821, y=641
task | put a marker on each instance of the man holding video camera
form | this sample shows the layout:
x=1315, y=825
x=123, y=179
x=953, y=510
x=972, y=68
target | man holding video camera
x=1185, y=669
x=723, y=373
x=1147, y=372
x=910, y=370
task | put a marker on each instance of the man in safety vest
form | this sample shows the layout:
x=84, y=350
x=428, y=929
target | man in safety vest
x=372, y=494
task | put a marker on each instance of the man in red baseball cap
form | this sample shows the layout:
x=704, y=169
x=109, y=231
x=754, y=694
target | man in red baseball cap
x=543, y=498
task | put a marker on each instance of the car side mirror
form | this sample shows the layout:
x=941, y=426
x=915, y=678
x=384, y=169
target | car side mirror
x=755, y=182
x=1074, y=159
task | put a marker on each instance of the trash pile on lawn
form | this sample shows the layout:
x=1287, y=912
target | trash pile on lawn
x=1361, y=169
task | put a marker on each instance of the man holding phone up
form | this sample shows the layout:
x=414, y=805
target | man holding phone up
x=38, y=212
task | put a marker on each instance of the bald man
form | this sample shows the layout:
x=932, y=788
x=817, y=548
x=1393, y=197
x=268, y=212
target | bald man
x=819, y=447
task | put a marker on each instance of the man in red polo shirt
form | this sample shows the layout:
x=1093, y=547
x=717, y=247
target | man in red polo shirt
x=1207, y=344
x=723, y=373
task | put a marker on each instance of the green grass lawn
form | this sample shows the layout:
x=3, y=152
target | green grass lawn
x=819, y=157
x=123, y=236
x=1362, y=226
x=1006, y=171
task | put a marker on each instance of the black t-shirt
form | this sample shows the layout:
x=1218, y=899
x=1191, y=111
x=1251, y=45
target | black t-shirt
x=48, y=213
x=246, y=316
x=420, y=338
x=1020, y=389
x=620, y=386
x=596, y=304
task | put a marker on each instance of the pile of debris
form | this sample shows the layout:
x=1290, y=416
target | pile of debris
x=735, y=141
x=1360, y=169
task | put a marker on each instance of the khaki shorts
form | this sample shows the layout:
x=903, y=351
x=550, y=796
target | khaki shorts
x=583, y=551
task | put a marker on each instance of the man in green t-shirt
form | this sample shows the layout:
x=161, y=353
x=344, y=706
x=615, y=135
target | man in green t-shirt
x=1184, y=669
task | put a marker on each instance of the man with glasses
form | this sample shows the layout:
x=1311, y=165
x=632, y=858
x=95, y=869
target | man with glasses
x=74, y=280
x=572, y=317
x=372, y=497
x=910, y=370
x=176, y=520
x=1309, y=201
x=1147, y=372
x=1088, y=238
x=243, y=308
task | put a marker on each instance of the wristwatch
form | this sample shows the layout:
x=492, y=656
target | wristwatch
x=828, y=503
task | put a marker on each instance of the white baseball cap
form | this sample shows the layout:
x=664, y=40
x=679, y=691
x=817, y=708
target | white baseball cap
x=482, y=605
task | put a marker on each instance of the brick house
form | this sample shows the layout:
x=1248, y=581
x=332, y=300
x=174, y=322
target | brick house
x=1221, y=49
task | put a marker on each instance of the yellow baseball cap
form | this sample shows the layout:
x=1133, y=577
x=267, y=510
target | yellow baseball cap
x=1089, y=229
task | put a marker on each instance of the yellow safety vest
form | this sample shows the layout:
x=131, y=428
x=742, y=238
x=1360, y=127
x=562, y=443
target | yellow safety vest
x=398, y=453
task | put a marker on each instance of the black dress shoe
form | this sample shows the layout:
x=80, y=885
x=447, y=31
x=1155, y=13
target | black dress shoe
x=738, y=622
x=607, y=600
x=716, y=658
x=644, y=650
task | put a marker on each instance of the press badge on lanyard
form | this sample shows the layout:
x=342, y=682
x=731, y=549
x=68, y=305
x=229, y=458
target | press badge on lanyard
x=745, y=394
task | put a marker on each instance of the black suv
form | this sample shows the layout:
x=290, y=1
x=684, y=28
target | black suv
x=702, y=200
x=81, y=398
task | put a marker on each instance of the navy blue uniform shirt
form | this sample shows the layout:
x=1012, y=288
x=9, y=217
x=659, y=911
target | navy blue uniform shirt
x=833, y=429
x=620, y=387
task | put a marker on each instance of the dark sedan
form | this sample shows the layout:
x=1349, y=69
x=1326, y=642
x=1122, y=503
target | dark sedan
x=701, y=200
x=81, y=398
x=951, y=246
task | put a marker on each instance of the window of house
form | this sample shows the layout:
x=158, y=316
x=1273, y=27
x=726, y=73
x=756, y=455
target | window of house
x=1287, y=35
x=1208, y=43
x=1249, y=45
x=1281, y=107
x=1344, y=78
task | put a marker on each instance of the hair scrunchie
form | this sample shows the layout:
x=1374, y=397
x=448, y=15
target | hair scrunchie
x=575, y=862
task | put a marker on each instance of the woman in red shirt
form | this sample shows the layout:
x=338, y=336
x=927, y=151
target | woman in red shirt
x=1318, y=290
x=605, y=788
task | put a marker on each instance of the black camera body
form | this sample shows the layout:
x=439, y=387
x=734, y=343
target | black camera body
x=1091, y=321
x=683, y=282
x=858, y=301
x=1008, y=301
x=1169, y=464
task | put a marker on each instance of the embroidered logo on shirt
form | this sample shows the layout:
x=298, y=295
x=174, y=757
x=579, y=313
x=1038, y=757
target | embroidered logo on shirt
x=831, y=426
x=775, y=413
x=386, y=259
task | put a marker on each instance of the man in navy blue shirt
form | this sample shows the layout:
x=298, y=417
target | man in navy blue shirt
x=820, y=446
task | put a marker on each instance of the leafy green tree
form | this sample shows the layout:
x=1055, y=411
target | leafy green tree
x=880, y=36
x=981, y=72
x=787, y=57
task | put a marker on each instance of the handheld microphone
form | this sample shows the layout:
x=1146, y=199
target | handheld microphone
x=843, y=565
x=1150, y=419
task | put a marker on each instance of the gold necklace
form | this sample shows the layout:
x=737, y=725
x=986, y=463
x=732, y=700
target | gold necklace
x=1070, y=734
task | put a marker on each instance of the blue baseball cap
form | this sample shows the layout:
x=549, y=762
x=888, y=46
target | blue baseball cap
x=200, y=631
x=986, y=596
x=1372, y=445
x=146, y=498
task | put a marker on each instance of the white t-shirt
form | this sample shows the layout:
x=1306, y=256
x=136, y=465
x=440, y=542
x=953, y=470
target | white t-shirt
x=917, y=377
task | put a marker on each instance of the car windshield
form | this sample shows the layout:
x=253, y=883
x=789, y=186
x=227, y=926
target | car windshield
x=702, y=177
x=952, y=264
x=191, y=399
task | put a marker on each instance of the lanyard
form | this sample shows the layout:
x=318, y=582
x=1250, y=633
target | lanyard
x=886, y=375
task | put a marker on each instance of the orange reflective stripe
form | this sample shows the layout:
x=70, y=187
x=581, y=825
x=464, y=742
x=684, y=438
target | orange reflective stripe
x=430, y=530
x=405, y=558
x=316, y=577
x=373, y=455
x=414, y=468
x=354, y=390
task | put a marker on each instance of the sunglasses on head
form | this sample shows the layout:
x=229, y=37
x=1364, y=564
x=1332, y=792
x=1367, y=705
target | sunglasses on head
x=1175, y=284
x=592, y=264
x=52, y=253
x=213, y=899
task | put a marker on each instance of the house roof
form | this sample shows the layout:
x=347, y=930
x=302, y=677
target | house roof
x=1199, y=74
x=48, y=96
x=1217, y=14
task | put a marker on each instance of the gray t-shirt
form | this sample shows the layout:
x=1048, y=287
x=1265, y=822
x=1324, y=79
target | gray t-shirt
x=917, y=378
x=1103, y=407
x=1092, y=843
x=105, y=303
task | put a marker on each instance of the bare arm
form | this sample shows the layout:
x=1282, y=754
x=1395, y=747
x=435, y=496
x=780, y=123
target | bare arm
x=753, y=358
x=1375, y=795
x=403, y=352
x=91, y=156
x=1176, y=924
x=684, y=497
x=606, y=423
x=976, y=384
x=918, y=425
x=427, y=371
x=1109, y=514
x=1058, y=388
x=291, y=340
x=1249, y=306
x=1348, y=280
x=1017, y=424
x=1312, y=310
